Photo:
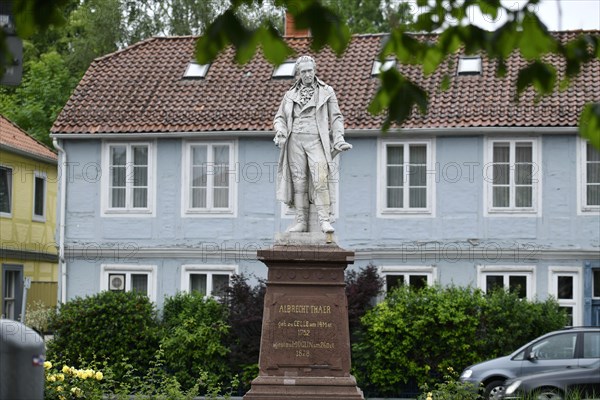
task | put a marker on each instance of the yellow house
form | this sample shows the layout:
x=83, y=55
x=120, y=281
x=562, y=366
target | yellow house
x=28, y=252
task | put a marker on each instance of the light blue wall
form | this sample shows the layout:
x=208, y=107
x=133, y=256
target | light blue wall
x=459, y=213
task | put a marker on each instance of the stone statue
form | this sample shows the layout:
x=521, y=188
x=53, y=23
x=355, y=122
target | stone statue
x=309, y=130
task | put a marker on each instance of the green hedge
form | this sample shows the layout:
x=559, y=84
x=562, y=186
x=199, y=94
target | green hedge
x=195, y=333
x=417, y=335
x=118, y=327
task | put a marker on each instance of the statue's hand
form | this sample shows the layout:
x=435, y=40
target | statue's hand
x=279, y=139
x=343, y=146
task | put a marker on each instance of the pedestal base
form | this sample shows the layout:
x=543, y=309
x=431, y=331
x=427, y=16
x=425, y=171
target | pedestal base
x=304, y=388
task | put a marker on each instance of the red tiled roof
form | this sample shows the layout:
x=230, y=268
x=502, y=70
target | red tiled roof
x=141, y=89
x=13, y=138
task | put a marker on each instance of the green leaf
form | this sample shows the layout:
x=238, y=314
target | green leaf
x=539, y=74
x=589, y=124
x=227, y=29
x=33, y=15
x=275, y=49
x=399, y=96
x=504, y=40
x=490, y=8
x=326, y=27
x=407, y=49
x=432, y=59
x=449, y=40
x=446, y=81
x=535, y=38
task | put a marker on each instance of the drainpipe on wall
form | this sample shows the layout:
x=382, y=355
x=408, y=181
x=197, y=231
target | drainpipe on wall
x=62, y=265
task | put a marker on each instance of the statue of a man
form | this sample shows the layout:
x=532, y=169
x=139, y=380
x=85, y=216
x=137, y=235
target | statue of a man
x=310, y=133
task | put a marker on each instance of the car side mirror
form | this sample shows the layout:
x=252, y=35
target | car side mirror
x=531, y=356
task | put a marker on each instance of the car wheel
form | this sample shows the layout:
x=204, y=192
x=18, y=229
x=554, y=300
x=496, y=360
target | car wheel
x=549, y=394
x=493, y=390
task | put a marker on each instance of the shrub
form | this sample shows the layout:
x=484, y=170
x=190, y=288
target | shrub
x=245, y=305
x=120, y=328
x=362, y=289
x=69, y=382
x=194, y=338
x=508, y=322
x=451, y=389
x=416, y=335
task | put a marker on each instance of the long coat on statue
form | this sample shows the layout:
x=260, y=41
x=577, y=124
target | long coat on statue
x=330, y=125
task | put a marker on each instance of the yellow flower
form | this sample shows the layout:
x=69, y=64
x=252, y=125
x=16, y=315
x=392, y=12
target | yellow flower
x=77, y=392
x=51, y=378
x=60, y=377
x=99, y=376
x=59, y=388
x=47, y=364
x=429, y=396
x=89, y=373
x=66, y=369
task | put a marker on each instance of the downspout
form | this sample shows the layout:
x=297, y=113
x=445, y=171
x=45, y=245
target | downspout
x=62, y=265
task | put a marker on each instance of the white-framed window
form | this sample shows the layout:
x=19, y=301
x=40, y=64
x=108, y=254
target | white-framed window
x=208, y=280
x=128, y=185
x=589, y=177
x=406, y=186
x=565, y=285
x=414, y=276
x=512, y=176
x=39, y=196
x=129, y=277
x=5, y=191
x=209, y=178
x=518, y=279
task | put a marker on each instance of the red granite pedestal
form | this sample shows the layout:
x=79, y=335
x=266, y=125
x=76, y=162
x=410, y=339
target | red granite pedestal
x=305, y=342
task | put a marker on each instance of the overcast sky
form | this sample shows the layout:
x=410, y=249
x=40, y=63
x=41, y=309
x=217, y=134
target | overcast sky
x=576, y=14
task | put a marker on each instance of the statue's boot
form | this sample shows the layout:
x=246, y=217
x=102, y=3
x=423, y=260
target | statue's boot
x=301, y=203
x=323, y=215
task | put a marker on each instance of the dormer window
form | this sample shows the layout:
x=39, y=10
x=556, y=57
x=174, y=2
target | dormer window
x=379, y=67
x=285, y=70
x=469, y=65
x=196, y=71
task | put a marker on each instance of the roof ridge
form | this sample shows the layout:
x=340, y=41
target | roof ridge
x=143, y=42
x=355, y=35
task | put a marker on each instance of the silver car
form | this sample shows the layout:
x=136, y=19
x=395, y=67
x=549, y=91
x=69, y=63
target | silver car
x=564, y=349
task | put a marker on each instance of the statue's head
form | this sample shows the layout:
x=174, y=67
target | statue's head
x=306, y=68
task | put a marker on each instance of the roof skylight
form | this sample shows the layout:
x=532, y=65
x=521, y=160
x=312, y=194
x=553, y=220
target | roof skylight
x=469, y=65
x=195, y=70
x=285, y=70
x=379, y=67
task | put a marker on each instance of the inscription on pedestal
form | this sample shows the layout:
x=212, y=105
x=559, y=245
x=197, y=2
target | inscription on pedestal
x=304, y=331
